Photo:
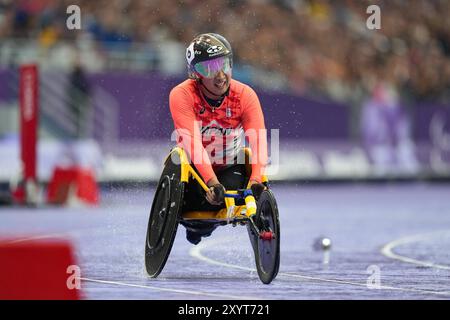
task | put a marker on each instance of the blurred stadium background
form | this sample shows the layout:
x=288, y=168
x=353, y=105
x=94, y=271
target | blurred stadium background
x=350, y=103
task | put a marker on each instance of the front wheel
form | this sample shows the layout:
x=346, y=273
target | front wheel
x=266, y=244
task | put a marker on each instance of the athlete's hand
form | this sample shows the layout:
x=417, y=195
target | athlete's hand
x=257, y=188
x=216, y=192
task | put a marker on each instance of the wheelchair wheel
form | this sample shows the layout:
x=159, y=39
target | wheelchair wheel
x=164, y=217
x=266, y=249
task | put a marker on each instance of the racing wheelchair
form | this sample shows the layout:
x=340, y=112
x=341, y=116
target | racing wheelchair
x=169, y=209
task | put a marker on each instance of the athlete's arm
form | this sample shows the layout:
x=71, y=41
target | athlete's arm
x=181, y=108
x=253, y=124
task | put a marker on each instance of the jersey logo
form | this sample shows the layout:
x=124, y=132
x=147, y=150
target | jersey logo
x=214, y=128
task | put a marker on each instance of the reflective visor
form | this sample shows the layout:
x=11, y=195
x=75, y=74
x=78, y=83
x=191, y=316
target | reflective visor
x=209, y=69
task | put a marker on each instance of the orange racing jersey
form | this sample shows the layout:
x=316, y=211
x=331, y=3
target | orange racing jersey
x=212, y=136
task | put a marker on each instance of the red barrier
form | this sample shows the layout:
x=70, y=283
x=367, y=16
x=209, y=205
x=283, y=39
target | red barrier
x=72, y=182
x=26, y=191
x=38, y=270
x=28, y=92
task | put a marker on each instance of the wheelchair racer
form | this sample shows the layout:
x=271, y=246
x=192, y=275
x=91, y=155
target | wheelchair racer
x=211, y=114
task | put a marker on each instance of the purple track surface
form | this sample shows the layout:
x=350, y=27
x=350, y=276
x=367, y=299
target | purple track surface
x=400, y=230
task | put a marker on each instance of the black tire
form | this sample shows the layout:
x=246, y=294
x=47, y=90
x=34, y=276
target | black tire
x=267, y=252
x=164, y=217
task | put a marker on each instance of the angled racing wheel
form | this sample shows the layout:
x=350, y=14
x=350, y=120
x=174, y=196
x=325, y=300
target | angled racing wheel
x=164, y=217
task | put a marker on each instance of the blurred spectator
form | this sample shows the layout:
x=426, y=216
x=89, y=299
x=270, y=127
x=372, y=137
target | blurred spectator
x=79, y=92
x=319, y=48
x=386, y=131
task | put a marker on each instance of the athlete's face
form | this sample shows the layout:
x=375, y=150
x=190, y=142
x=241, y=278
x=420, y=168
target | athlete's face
x=219, y=84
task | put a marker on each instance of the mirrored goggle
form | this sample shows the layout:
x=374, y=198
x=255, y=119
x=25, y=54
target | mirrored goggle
x=210, y=68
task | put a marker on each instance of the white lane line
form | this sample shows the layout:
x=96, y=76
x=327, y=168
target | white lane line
x=191, y=292
x=388, y=248
x=197, y=253
x=45, y=236
x=66, y=235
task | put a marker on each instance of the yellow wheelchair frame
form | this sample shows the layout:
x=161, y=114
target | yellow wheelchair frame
x=231, y=213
